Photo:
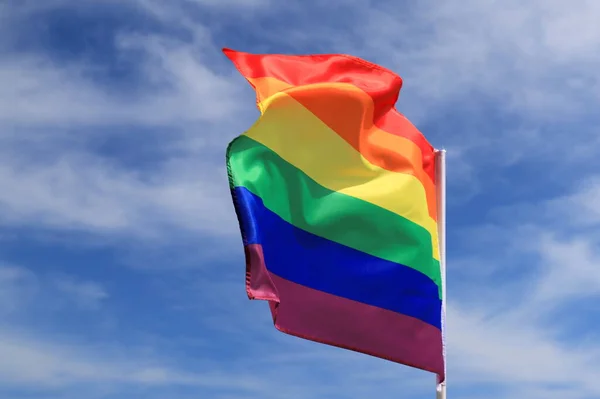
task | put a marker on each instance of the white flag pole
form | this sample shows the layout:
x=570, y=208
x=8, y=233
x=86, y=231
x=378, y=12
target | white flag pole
x=440, y=177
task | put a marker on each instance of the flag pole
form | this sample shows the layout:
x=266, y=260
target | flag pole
x=440, y=177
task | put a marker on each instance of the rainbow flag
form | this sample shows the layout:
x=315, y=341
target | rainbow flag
x=336, y=200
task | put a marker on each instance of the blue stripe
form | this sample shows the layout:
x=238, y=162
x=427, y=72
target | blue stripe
x=324, y=265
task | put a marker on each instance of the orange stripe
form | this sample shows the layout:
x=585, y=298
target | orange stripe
x=348, y=111
x=380, y=83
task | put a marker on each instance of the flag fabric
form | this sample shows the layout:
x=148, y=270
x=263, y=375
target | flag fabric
x=336, y=200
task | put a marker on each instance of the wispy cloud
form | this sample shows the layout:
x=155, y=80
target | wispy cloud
x=81, y=191
x=23, y=290
x=17, y=287
x=510, y=326
x=54, y=114
x=85, y=294
x=35, y=363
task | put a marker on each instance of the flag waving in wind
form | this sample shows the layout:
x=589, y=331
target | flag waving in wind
x=336, y=199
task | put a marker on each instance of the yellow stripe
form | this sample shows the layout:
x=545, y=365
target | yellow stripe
x=303, y=140
x=266, y=87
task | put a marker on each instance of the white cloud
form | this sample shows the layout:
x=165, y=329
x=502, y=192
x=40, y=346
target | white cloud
x=516, y=353
x=35, y=363
x=85, y=294
x=277, y=363
x=514, y=51
x=18, y=286
x=54, y=109
x=581, y=207
x=40, y=92
x=511, y=328
x=24, y=291
x=232, y=3
x=571, y=269
x=87, y=193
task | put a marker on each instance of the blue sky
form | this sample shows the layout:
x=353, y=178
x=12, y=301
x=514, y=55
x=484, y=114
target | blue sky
x=121, y=266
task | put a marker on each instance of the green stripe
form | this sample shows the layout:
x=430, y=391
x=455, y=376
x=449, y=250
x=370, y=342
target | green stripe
x=349, y=221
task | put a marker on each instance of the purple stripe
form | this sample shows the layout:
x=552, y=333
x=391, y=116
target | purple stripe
x=329, y=319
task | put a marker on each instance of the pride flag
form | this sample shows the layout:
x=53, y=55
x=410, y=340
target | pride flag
x=336, y=200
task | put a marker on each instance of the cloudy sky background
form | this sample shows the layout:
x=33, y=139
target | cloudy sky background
x=121, y=266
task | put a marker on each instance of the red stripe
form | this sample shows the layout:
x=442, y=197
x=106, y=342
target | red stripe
x=381, y=84
x=317, y=316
